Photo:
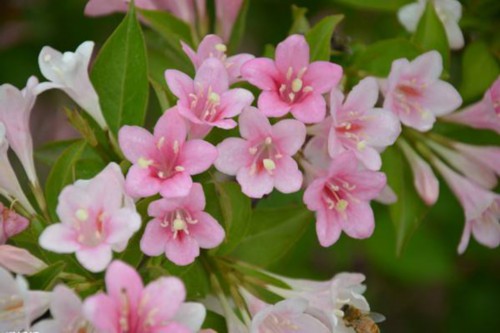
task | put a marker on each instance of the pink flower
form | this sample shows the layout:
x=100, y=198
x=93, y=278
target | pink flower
x=129, y=306
x=212, y=46
x=424, y=179
x=227, y=12
x=263, y=159
x=96, y=218
x=66, y=309
x=207, y=101
x=358, y=126
x=15, y=111
x=19, y=261
x=416, y=95
x=180, y=227
x=19, y=306
x=340, y=197
x=483, y=114
x=164, y=161
x=482, y=209
x=489, y=156
x=291, y=83
x=11, y=223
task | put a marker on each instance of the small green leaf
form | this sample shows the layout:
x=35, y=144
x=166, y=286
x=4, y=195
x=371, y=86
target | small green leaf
x=239, y=27
x=479, y=71
x=46, y=278
x=168, y=26
x=381, y=5
x=320, y=36
x=215, y=321
x=430, y=34
x=300, y=24
x=50, y=152
x=273, y=231
x=120, y=75
x=194, y=276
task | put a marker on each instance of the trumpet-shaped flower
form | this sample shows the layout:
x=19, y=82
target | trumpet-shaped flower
x=66, y=309
x=212, y=46
x=262, y=159
x=11, y=223
x=484, y=114
x=129, y=306
x=68, y=72
x=164, y=161
x=180, y=227
x=207, y=101
x=227, y=12
x=482, y=209
x=448, y=11
x=18, y=305
x=19, y=260
x=415, y=93
x=15, y=111
x=291, y=83
x=340, y=197
x=358, y=126
x=9, y=185
x=97, y=217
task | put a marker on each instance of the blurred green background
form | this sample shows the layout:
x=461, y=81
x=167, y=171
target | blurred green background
x=428, y=288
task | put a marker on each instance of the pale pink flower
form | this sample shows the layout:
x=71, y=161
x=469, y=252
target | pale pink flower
x=180, y=228
x=489, y=156
x=212, y=46
x=358, y=126
x=387, y=196
x=484, y=114
x=11, y=223
x=66, y=309
x=291, y=83
x=424, y=179
x=164, y=161
x=415, y=93
x=482, y=209
x=262, y=159
x=129, y=306
x=341, y=198
x=207, y=100
x=19, y=306
x=19, y=260
x=227, y=12
x=15, y=111
x=68, y=72
x=9, y=184
x=97, y=217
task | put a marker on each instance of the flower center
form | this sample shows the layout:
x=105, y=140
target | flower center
x=408, y=94
x=205, y=104
x=178, y=221
x=292, y=89
x=167, y=167
x=90, y=228
x=337, y=196
x=265, y=155
x=11, y=309
x=279, y=323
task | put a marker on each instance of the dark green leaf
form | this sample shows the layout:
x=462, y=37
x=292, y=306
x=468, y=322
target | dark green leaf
x=300, y=24
x=50, y=152
x=194, y=276
x=320, y=36
x=239, y=27
x=46, y=278
x=215, y=321
x=382, y=5
x=168, y=26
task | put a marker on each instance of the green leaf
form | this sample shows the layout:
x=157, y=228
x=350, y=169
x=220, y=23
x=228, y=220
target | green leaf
x=46, y=278
x=194, y=276
x=215, y=321
x=479, y=70
x=300, y=24
x=409, y=210
x=377, y=58
x=50, y=152
x=381, y=5
x=273, y=231
x=320, y=36
x=171, y=28
x=120, y=75
x=430, y=34
x=239, y=27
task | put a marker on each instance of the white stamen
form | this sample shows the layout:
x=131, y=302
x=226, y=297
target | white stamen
x=214, y=97
x=160, y=142
x=143, y=162
x=289, y=73
x=307, y=89
x=252, y=150
x=296, y=85
x=82, y=214
x=269, y=164
x=341, y=205
x=269, y=140
x=221, y=47
x=176, y=147
x=361, y=145
x=179, y=168
x=291, y=96
x=338, y=313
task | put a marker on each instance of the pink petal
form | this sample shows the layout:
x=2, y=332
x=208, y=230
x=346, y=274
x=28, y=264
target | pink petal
x=71, y=199
x=172, y=328
x=261, y=72
x=369, y=184
x=363, y=96
x=140, y=182
x=343, y=164
x=158, y=208
x=441, y=98
x=289, y=135
x=464, y=240
x=369, y=157
x=311, y=110
x=95, y=259
x=421, y=122
x=327, y=228
x=102, y=312
x=196, y=156
x=255, y=185
x=178, y=185
x=135, y=142
x=172, y=127
x=179, y=83
x=234, y=101
x=381, y=128
x=122, y=224
x=254, y=124
x=360, y=221
x=195, y=200
x=335, y=146
x=271, y=104
x=122, y=278
x=59, y=238
x=212, y=73
x=207, y=49
x=207, y=232
x=99, y=7
x=487, y=232
x=293, y=53
x=192, y=315
x=426, y=67
x=287, y=176
x=154, y=239
x=191, y=53
x=65, y=305
x=166, y=295
x=182, y=251
x=233, y=155
x=235, y=62
x=312, y=195
x=323, y=76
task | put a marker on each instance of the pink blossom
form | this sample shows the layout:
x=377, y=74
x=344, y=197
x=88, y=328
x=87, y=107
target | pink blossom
x=415, y=93
x=15, y=111
x=66, y=309
x=18, y=305
x=11, y=223
x=212, y=46
x=129, y=306
x=97, y=217
x=164, y=161
x=358, y=126
x=489, y=156
x=227, y=12
x=340, y=197
x=180, y=227
x=207, y=100
x=484, y=114
x=291, y=83
x=424, y=179
x=482, y=209
x=19, y=260
x=262, y=159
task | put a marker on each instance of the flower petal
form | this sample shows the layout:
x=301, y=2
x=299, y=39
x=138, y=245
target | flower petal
x=140, y=182
x=196, y=156
x=254, y=185
x=207, y=232
x=311, y=110
x=135, y=142
x=178, y=185
x=327, y=228
x=182, y=251
x=360, y=222
x=271, y=104
x=213, y=74
x=293, y=53
x=322, y=76
x=254, y=124
x=59, y=238
x=261, y=72
x=95, y=259
x=289, y=135
x=179, y=83
x=287, y=176
x=233, y=155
